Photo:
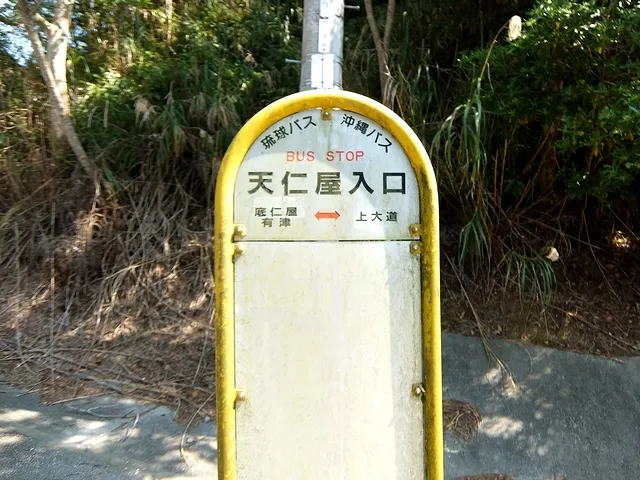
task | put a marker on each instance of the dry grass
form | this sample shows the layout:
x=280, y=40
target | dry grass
x=102, y=296
x=463, y=419
x=583, y=317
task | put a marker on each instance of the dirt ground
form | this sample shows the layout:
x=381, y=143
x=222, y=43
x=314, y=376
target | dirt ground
x=596, y=308
x=156, y=343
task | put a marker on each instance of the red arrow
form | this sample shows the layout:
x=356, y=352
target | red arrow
x=319, y=215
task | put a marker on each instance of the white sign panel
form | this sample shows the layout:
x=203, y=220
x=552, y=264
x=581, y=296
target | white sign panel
x=328, y=323
x=345, y=178
x=328, y=347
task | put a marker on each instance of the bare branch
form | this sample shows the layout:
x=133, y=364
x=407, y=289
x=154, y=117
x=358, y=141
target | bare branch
x=43, y=22
x=37, y=17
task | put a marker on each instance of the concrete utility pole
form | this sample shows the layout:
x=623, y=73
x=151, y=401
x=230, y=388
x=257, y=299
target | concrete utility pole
x=322, y=39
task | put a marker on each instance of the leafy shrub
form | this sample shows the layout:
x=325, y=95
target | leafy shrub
x=571, y=83
x=183, y=105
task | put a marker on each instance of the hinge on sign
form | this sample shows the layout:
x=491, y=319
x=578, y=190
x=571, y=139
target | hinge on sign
x=415, y=248
x=418, y=390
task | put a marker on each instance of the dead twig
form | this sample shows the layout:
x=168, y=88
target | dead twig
x=203, y=351
x=504, y=368
x=184, y=434
x=67, y=400
x=98, y=415
x=620, y=341
x=595, y=258
x=463, y=419
x=135, y=423
x=23, y=361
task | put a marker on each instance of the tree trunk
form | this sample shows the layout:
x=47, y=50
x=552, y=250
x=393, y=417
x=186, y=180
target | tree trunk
x=169, y=13
x=382, y=48
x=57, y=44
x=58, y=92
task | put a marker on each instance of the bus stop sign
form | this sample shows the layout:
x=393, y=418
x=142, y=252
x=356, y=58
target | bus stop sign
x=327, y=296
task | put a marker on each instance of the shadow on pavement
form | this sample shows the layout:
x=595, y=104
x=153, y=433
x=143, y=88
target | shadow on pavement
x=564, y=416
x=104, y=438
x=560, y=415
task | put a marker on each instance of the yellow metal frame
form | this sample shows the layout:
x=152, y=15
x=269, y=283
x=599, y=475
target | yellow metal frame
x=225, y=237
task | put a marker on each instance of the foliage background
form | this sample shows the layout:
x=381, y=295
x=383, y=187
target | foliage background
x=533, y=141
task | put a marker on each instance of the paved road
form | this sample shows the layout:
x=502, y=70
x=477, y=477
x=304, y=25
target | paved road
x=104, y=439
x=568, y=416
x=565, y=416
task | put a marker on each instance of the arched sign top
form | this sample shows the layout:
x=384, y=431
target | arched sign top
x=327, y=101
x=421, y=238
x=326, y=175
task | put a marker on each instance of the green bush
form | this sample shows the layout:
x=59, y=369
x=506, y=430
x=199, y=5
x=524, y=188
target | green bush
x=571, y=84
x=182, y=106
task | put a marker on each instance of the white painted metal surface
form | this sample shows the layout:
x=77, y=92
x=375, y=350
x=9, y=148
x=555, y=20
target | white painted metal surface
x=307, y=178
x=328, y=324
x=328, y=346
x=322, y=39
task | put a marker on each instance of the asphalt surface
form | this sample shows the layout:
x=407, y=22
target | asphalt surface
x=552, y=416
x=102, y=439
x=565, y=416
